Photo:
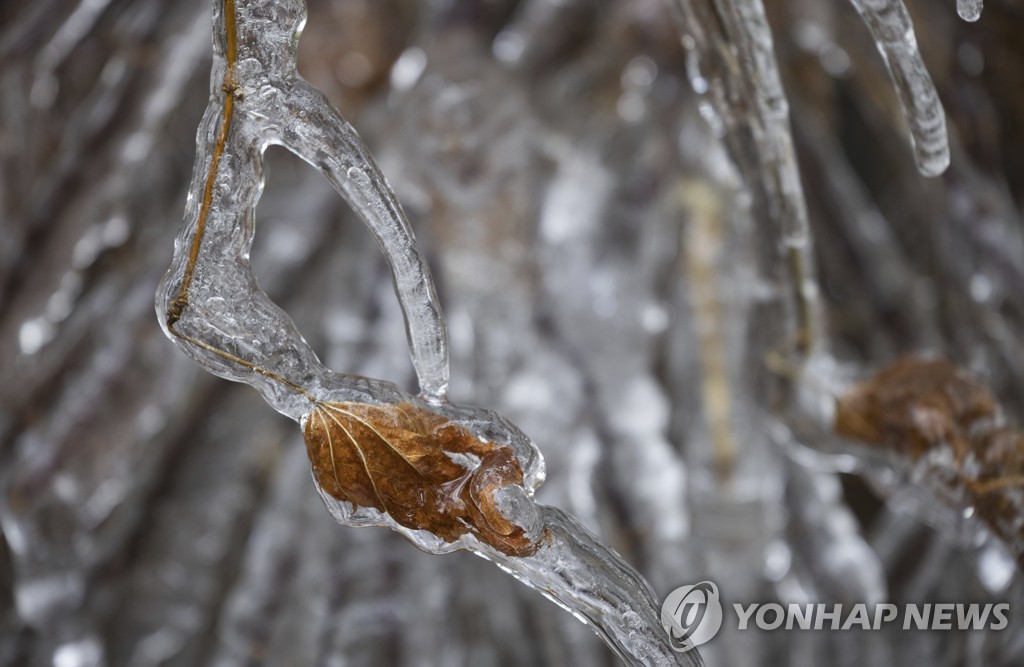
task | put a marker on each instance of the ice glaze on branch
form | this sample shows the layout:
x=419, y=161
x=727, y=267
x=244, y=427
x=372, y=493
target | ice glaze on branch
x=445, y=477
x=731, y=59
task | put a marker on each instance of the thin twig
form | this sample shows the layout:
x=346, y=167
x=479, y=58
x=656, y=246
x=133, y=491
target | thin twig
x=230, y=88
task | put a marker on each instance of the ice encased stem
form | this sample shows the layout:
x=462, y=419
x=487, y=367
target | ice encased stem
x=274, y=106
x=750, y=107
x=327, y=141
x=581, y=574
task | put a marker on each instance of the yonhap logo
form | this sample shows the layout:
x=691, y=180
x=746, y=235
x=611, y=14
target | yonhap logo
x=691, y=615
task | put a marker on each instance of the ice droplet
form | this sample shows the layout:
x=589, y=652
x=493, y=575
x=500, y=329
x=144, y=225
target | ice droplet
x=84, y=653
x=969, y=10
x=408, y=68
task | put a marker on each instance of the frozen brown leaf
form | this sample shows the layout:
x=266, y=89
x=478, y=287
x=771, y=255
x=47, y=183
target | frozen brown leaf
x=426, y=472
x=916, y=407
x=914, y=404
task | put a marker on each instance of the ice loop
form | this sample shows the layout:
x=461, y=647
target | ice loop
x=445, y=476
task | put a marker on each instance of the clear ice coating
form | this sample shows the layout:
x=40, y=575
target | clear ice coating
x=210, y=304
x=889, y=23
x=275, y=106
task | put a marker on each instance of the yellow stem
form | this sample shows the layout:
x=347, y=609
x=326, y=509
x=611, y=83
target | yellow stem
x=230, y=87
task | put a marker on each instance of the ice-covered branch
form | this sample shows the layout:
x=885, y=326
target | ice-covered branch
x=731, y=59
x=445, y=477
x=581, y=574
x=262, y=101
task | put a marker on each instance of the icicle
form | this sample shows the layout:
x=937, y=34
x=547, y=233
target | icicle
x=890, y=25
x=969, y=10
x=328, y=142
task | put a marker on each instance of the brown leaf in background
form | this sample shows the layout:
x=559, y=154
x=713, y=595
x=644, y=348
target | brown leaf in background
x=424, y=471
x=914, y=404
x=915, y=407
